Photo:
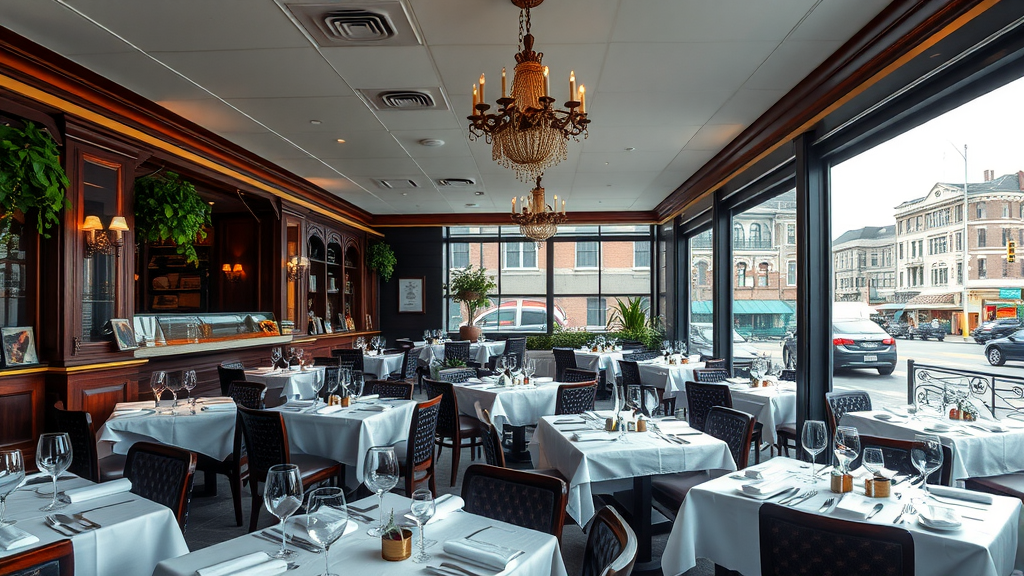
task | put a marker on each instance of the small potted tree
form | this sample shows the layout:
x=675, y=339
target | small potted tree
x=471, y=286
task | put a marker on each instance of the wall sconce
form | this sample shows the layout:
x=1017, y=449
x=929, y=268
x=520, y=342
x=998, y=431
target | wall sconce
x=233, y=273
x=99, y=241
x=296, y=267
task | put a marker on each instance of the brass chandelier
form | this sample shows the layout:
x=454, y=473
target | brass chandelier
x=537, y=220
x=526, y=133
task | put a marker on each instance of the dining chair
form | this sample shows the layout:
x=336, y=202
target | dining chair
x=53, y=559
x=641, y=355
x=85, y=460
x=741, y=368
x=565, y=358
x=787, y=375
x=571, y=375
x=453, y=427
x=651, y=396
x=575, y=398
x=733, y=427
x=611, y=545
x=710, y=375
x=457, y=350
x=526, y=499
x=349, y=357
x=417, y=465
x=515, y=347
x=407, y=372
x=710, y=362
x=229, y=372
x=389, y=389
x=794, y=542
x=494, y=454
x=700, y=398
x=266, y=441
x=163, y=474
x=325, y=361
x=837, y=404
x=332, y=375
x=456, y=375
x=896, y=454
x=1011, y=485
x=250, y=395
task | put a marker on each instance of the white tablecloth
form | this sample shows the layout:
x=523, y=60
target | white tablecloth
x=608, y=362
x=670, y=378
x=975, y=453
x=515, y=406
x=210, y=433
x=359, y=554
x=381, y=366
x=772, y=406
x=347, y=435
x=717, y=523
x=134, y=537
x=481, y=352
x=586, y=464
x=293, y=384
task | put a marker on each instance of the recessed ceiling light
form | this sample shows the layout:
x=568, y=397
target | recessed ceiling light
x=478, y=193
x=341, y=140
x=315, y=122
x=472, y=205
x=431, y=142
x=405, y=193
x=210, y=202
x=630, y=149
x=605, y=163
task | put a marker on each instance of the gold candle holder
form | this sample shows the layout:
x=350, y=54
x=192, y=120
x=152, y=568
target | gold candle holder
x=397, y=550
x=877, y=487
x=842, y=483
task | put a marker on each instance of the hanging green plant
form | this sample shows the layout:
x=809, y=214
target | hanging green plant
x=169, y=208
x=381, y=257
x=31, y=177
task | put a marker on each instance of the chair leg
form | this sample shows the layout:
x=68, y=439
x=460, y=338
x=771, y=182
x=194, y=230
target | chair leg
x=456, y=455
x=257, y=503
x=235, y=482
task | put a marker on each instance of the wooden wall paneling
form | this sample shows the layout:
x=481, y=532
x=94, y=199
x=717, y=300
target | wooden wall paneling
x=22, y=411
x=94, y=388
x=239, y=242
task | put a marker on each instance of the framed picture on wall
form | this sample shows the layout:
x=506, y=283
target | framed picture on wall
x=410, y=296
x=124, y=334
x=19, y=344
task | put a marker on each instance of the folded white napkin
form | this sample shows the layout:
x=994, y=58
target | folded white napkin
x=590, y=434
x=940, y=517
x=694, y=358
x=958, y=494
x=445, y=505
x=484, y=554
x=300, y=403
x=376, y=407
x=12, y=537
x=219, y=407
x=474, y=381
x=235, y=565
x=490, y=379
x=738, y=380
x=542, y=379
x=856, y=504
x=765, y=488
x=92, y=491
x=990, y=425
x=329, y=409
x=861, y=473
x=368, y=398
x=215, y=400
x=124, y=406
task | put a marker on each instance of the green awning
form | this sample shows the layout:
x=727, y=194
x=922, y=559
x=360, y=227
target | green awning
x=740, y=307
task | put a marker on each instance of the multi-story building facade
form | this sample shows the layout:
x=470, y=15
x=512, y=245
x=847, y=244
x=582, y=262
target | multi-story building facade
x=930, y=251
x=864, y=265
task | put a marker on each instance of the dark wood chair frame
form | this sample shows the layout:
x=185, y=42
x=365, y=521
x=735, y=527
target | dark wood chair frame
x=61, y=551
x=180, y=510
x=622, y=564
x=409, y=467
x=556, y=486
x=452, y=430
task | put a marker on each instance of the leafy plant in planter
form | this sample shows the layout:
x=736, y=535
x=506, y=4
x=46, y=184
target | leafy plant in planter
x=471, y=286
x=31, y=177
x=381, y=258
x=169, y=208
x=631, y=318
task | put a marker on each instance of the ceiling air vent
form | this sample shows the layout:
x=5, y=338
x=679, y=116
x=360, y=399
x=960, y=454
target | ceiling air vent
x=404, y=99
x=361, y=23
x=398, y=184
x=456, y=182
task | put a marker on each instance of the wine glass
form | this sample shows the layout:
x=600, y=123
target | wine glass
x=846, y=446
x=283, y=496
x=275, y=356
x=53, y=456
x=380, y=474
x=427, y=336
x=188, y=382
x=12, y=476
x=357, y=383
x=530, y=368
x=158, y=383
x=326, y=518
x=299, y=353
x=633, y=397
x=332, y=378
x=873, y=460
x=926, y=455
x=422, y=509
x=814, y=439
x=666, y=346
x=174, y=384
x=318, y=385
x=513, y=363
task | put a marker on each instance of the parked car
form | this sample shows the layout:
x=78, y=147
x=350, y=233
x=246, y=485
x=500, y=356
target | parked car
x=898, y=329
x=926, y=331
x=995, y=329
x=1010, y=347
x=519, y=316
x=856, y=343
x=702, y=342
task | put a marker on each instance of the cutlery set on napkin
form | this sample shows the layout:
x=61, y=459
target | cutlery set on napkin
x=255, y=564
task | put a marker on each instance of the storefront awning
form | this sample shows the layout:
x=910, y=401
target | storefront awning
x=945, y=301
x=891, y=306
x=740, y=307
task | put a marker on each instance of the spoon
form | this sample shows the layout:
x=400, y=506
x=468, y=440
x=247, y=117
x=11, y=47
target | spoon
x=52, y=521
x=66, y=519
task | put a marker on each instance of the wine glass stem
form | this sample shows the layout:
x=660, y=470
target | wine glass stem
x=380, y=507
x=175, y=396
x=284, y=537
x=53, y=502
x=327, y=563
x=423, y=548
x=3, y=510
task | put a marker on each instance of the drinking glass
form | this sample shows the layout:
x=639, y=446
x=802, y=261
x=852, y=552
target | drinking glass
x=513, y=363
x=158, y=383
x=283, y=496
x=633, y=397
x=53, y=456
x=679, y=346
x=926, y=455
x=422, y=509
x=299, y=353
x=873, y=460
x=174, y=384
x=357, y=383
x=326, y=518
x=318, y=385
x=12, y=476
x=666, y=346
x=814, y=439
x=380, y=474
x=275, y=356
x=188, y=382
x=530, y=369
x=846, y=446
x=427, y=336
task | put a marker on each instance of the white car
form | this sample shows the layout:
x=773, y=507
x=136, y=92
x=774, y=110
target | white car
x=519, y=316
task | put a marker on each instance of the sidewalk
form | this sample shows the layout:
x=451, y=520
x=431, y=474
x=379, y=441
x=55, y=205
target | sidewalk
x=959, y=339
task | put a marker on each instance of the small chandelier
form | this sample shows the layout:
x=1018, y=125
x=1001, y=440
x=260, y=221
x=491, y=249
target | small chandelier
x=526, y=134
x=537, y=220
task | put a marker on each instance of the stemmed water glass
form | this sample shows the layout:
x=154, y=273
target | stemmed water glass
x=53, y=456
x=283, y=496
x=188, y=382
x=422, y=509
x=12, y=476
x=299, y=353
x=814, y=439
x=846, y=446
x=318, y=385
x=530, y=368
x=873, y=460
x=326, y=518
x=926, y=455
x=158, y=383
x=174, y=385
x=380, y=474
x=275, y=356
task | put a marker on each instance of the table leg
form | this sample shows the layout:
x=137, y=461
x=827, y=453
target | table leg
x=519, y=453
x=641, y=524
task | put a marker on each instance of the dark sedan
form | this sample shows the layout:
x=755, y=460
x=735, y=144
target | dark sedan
x=856, y=343
x=1000, y=328
x=998, y=351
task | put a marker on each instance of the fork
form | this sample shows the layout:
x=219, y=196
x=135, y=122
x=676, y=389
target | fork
x=827, y=503
x=907, y=509
x=803, y=498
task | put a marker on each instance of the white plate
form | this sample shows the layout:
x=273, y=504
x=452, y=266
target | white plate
x=937, y=430
x=763, y=496
x=885, y=417
x=942, y=528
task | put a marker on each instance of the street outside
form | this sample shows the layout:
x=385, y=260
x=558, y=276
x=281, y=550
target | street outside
x=892, y=389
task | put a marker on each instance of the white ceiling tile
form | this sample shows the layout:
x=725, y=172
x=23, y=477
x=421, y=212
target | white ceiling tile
x=337, y=114
x=680, y=66
x=642, y=138
x=358, y=144
x=290, y=72
x=422, y=119
x=714, y=137
x=58, y=28
x=139, y=73
x=689, y=161
x=450, y=167
x=790, y=63
x=384, y=66
x=497, y=22
x=376, y=167
x=687, y=107
x=704, y=21
x=265, y=144
x=838, y=19
x=746, y=106
x=309, y=168
x=213, y=115
x=455, y=143
x=625, y=161
x=611, y=183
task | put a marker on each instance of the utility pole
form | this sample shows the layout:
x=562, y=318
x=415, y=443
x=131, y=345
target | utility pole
x=964, y=323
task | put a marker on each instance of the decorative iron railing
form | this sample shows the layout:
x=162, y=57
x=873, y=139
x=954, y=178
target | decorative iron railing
x=940, y=387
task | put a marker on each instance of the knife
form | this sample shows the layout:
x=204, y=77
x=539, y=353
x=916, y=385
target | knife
x=294, y=540
x=954, y=502
x=878, y=508
x=800, y=500
x=791, y=497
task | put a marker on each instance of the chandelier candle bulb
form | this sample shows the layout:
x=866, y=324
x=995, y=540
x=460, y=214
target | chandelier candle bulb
x=583, y=102
x=474, y=99
x=482, y=99
x=504, y=93
x=572, y=85
x=546, y=89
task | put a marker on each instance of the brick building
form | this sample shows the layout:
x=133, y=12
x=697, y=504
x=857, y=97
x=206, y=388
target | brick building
x=863, y=265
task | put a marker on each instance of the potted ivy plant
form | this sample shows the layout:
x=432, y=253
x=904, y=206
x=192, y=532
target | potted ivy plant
x=167, y=207
x=31, y=178
x=381, y=258
x=470, y=286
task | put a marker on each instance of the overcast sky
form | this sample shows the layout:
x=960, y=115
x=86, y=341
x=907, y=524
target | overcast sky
x=866, y=188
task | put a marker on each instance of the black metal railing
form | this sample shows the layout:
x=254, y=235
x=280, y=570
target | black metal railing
x=940, y=387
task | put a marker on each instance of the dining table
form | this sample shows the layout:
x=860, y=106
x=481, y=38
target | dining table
x=719, y=521
x=515, y=407
x=380, y=366
x=133, y=536
x=210, y=431
x=478, y=351
x=358, y=553
x=671, y=378
x=595, y=461
x=606, y=361
x=986, y=447
x=288, y=384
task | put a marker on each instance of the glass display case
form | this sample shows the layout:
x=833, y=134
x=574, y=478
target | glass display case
x=175, y=329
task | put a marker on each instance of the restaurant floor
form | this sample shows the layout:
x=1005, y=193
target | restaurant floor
x=211, y=519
